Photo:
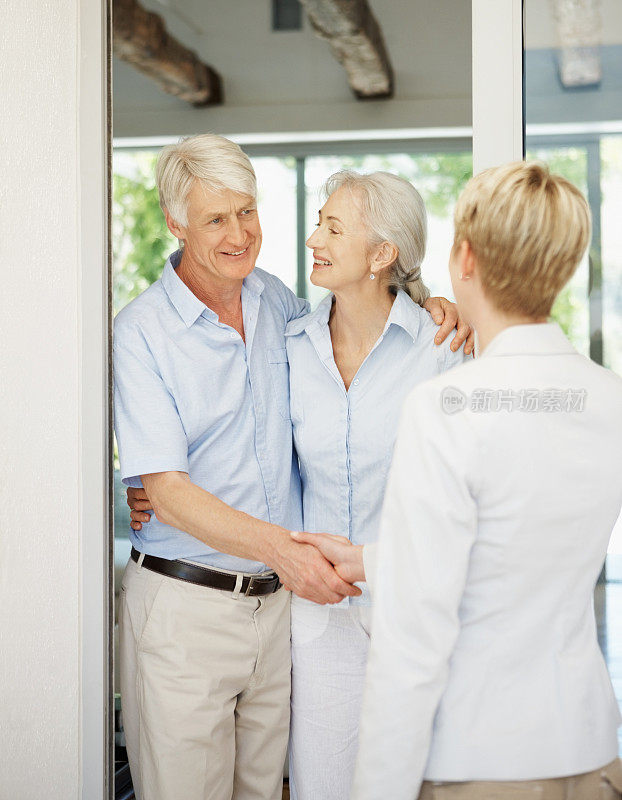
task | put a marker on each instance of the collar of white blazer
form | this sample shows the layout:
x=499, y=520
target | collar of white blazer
x=545, y=338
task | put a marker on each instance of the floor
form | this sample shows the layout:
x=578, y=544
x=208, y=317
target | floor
x=608, y=607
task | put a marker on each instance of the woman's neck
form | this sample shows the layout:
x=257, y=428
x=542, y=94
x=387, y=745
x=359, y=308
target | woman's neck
x=491, y=322
x=358, y=316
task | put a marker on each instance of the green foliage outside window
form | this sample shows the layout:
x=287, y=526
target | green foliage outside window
x=440, y=178
x=570, y=308
x=141, y=240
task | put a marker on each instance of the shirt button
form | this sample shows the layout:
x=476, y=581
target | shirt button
x=356, y=382
x=232, y=335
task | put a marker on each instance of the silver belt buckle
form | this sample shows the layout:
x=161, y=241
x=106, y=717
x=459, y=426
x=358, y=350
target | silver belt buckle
x=248, y=588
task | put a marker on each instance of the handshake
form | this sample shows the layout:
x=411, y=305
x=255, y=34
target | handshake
x=320, y=567
x=345, y=558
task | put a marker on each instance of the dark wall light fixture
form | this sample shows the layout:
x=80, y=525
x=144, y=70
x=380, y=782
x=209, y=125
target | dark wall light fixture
x=286, y=15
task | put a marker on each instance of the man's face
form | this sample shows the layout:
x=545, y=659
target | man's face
x=223, y=237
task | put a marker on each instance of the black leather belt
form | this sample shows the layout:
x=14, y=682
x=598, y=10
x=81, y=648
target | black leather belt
x=252, y=585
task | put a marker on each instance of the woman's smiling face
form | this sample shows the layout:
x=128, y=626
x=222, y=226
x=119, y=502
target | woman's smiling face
x=339, y=243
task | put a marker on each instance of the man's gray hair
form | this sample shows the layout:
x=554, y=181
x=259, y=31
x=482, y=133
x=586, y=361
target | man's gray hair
x=218, y=163
x=394, y=212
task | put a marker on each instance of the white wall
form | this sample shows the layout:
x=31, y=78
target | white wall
x=497, y=83
x=289, y=81
x=42, y=405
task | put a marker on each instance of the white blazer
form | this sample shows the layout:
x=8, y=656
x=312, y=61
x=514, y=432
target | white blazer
x=504, y=490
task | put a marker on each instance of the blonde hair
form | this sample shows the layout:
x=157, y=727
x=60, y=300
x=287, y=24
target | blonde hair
x=215, y=161
x=394, y=212
x=528, y=230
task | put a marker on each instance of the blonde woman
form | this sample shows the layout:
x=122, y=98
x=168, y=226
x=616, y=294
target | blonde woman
x=485, y=677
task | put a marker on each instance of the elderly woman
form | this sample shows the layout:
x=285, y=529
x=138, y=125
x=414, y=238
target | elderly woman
x=485, y=677
x=352, y=363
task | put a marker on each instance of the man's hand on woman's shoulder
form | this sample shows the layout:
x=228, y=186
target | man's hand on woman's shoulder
x=445, y=313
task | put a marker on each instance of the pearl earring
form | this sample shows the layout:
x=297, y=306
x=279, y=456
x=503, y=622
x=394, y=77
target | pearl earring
x=372, y=277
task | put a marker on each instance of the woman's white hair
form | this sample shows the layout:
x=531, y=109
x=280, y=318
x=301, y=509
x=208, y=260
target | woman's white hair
x=218, y=163
x=394, y=212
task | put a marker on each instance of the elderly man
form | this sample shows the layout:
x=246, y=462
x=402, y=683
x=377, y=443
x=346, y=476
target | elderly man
x=202, y=422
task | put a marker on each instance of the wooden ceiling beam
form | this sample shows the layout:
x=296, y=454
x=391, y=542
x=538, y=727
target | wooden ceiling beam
x=356, y=41
x=580, y=29
x=140, y=38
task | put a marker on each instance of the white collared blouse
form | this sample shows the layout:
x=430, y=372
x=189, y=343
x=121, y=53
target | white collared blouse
x=484, y=662
x=344, y=439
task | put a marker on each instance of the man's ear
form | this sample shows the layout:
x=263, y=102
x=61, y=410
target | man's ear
x=178, y=231
x=383, y=256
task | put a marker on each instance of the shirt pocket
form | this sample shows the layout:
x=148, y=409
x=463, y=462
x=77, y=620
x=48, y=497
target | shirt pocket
x=279, y=377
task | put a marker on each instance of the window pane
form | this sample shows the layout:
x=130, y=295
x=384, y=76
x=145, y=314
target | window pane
x=140, y=239
x=611, y=214
x=611, y=236
x=573, y=84
x=276, y=184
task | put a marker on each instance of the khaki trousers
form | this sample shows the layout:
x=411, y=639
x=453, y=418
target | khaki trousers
x=205, y=689
x=601, y=784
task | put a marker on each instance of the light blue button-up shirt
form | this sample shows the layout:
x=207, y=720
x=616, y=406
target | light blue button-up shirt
x=344, y=439
x=191, y=396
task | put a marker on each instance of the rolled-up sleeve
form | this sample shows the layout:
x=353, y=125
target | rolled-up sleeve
x=149, y=431
x=428, y=528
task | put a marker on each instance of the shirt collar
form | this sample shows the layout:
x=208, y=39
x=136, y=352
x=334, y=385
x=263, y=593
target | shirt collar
x=544, y=338
x=187, y=304
x=404, y=313
x=318, y=318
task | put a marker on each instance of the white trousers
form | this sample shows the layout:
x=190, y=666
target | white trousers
x=329, y=656
x=205, y=689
